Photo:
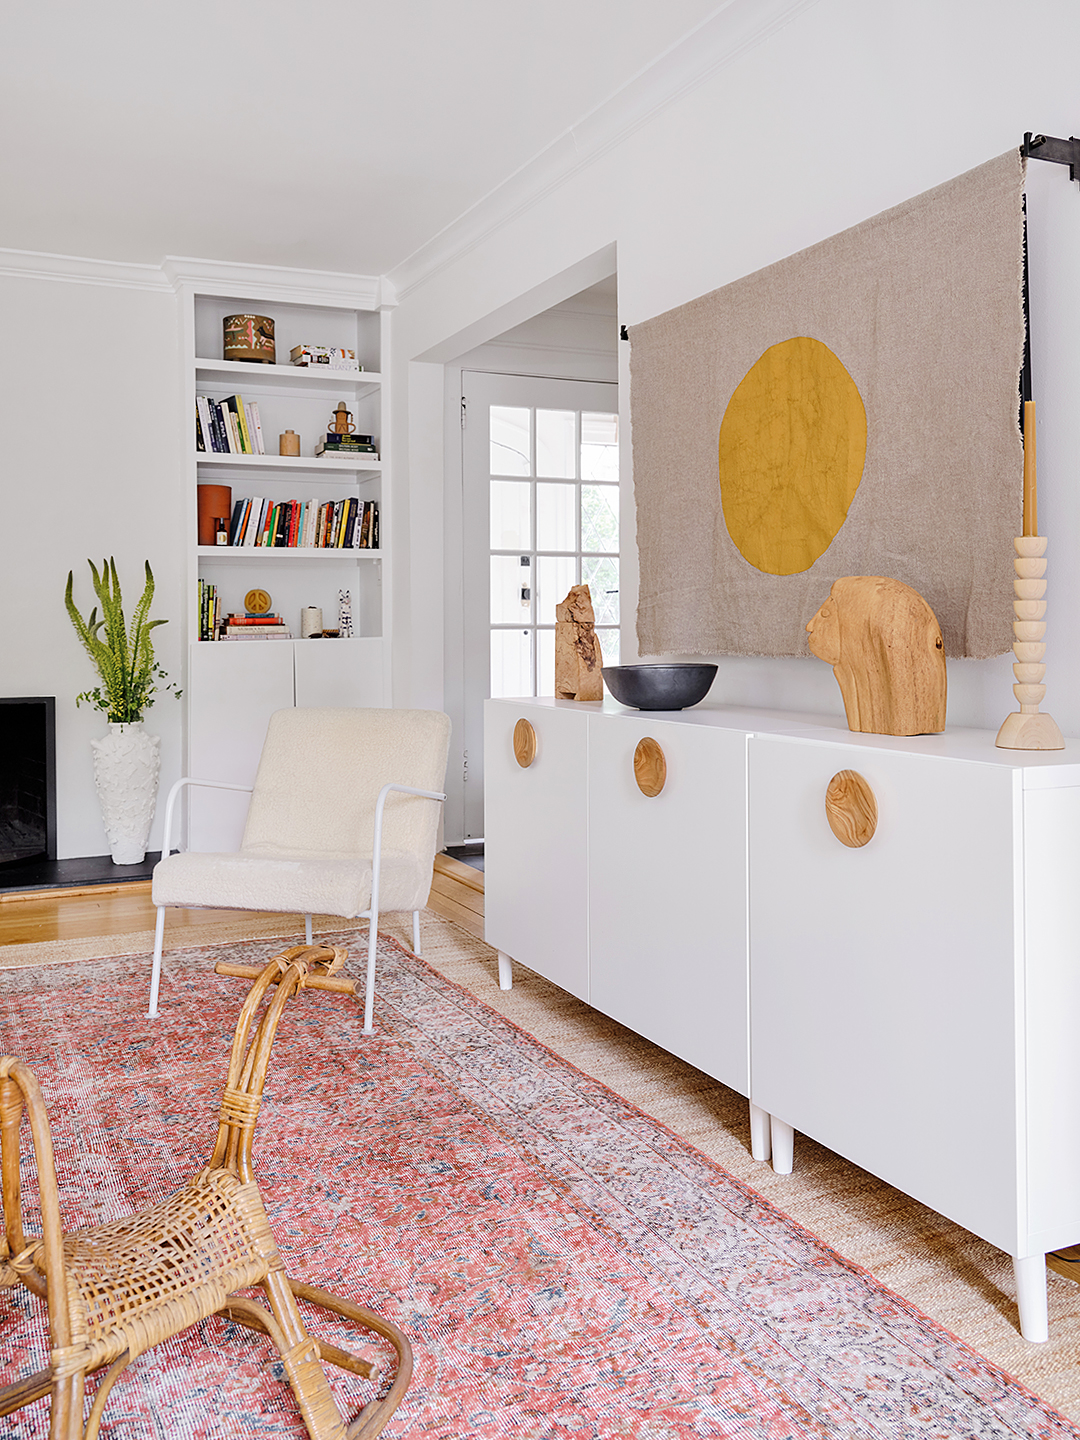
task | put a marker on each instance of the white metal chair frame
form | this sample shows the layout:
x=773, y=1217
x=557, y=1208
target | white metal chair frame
x=371, y=914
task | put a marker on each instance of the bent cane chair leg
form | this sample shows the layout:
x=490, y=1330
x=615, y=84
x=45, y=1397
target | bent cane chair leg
x=374, y=1415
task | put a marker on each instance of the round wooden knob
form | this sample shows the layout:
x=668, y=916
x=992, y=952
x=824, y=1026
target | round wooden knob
x=650, y=767
x=524, y=744
x=850, y=808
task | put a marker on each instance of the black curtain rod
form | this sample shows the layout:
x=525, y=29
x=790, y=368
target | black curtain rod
x=1048, y=147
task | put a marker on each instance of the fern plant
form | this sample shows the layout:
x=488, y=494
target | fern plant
x=123, y=655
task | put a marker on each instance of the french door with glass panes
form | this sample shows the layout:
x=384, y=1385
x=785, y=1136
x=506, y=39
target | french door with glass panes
x=540, y=467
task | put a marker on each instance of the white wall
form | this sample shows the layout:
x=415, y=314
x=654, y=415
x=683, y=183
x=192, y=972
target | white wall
x=822, y=115
x=88, y=386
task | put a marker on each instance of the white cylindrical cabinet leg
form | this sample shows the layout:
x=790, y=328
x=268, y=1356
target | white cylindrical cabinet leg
x=506, y=971
x=783, y=1146
x=760, y=1138
x=1030, y=1272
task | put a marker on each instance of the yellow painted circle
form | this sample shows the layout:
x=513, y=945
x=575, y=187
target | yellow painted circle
x=792, y=447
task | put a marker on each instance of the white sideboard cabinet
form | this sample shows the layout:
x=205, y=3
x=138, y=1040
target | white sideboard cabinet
x=909, y=1002
x=535, y=847
x=667, y=891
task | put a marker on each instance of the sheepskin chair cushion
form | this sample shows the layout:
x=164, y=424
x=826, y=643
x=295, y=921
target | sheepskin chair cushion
x=307, y=845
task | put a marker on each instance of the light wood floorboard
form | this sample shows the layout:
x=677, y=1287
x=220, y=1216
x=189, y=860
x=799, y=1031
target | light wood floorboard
x=26, y=919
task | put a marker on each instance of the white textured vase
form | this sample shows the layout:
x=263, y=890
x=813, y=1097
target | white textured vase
x=127, y=763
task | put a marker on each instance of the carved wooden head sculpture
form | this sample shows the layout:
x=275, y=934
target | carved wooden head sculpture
x=884, y=644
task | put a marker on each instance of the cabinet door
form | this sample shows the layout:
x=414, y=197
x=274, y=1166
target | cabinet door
x=233, y=689
x=339, y=672
x=883, y=979
x=667, y=878
x=535, y=858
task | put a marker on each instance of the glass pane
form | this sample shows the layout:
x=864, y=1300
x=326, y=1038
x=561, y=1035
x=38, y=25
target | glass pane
x=509, y=579
x=555, y=527
x=511, y=663
x=600, y=518
x=511, y=527
x=609, y=645
x=545, y=662
x=602, y=578
x=599, y=446
x=555, y=443
x=598, y=429
x=554, y=576
x=511, y=452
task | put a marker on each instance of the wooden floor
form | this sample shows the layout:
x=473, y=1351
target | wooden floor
x=457, y=891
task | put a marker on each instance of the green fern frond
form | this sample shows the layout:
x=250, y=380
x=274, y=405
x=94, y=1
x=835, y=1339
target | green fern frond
x=123, y=655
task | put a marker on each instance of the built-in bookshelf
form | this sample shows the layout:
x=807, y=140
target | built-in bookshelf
x=231, y=689
x=303, y=400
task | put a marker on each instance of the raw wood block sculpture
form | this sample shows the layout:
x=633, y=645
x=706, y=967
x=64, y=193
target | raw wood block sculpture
x=577, y=650
x=884, y=644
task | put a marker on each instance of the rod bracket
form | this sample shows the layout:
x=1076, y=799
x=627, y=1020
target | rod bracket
x=1048, y=147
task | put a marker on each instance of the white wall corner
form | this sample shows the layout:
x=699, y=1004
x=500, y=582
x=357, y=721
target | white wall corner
x=735, y=28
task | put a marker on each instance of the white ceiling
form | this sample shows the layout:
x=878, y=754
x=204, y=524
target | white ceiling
x=331, y=134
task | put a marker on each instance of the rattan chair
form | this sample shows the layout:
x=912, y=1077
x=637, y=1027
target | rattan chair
x=115, y=1290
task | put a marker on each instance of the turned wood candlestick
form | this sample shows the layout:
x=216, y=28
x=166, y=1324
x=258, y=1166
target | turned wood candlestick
x=1027, y=728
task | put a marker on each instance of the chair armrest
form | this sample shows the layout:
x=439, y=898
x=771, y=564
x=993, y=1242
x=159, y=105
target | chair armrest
x=170, y=804
x=376, y=853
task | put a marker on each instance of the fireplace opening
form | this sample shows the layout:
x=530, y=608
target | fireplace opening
x=27, y=779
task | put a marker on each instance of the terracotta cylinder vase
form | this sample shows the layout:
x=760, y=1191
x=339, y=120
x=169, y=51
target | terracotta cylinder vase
x=214, y=503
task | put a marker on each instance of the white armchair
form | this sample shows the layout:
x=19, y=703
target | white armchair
x=341, y=822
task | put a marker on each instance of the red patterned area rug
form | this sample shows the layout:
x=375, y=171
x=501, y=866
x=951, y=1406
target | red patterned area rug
x=564, y=1265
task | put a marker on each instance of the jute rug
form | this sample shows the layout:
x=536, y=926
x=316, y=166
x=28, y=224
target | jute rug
x=565, y=1265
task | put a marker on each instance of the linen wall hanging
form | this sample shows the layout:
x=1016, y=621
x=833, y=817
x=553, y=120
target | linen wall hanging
x=851, y=410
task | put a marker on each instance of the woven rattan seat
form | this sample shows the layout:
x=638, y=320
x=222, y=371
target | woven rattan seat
x=114, y=1290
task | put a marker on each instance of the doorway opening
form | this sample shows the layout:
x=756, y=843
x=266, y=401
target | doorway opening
x=539, y=511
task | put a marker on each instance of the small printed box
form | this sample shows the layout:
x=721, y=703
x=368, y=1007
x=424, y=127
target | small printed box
x=330, y=356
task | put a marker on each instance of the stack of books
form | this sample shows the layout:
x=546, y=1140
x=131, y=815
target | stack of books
x=255, y=627
x=228, y=427
x=209, y=610
x=311, y=524
x=334, y=444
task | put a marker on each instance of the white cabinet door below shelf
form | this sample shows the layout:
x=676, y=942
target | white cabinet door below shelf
x=339, y=672
x=535, y=876
x=667, y=879
x=233, y=689
x=884, y=979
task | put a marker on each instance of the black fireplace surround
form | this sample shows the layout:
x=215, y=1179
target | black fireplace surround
x=27, y=779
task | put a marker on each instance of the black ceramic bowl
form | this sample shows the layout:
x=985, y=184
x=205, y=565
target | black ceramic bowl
x=659, y=687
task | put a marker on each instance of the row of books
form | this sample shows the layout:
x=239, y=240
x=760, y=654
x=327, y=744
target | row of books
x=235, y=627
x=209, y=610
x=350, y=524
x=228, y=427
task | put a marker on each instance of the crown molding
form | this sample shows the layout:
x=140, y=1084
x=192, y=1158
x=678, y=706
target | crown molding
x=728, y=34
x=278, y=282
x=79, y=270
